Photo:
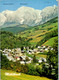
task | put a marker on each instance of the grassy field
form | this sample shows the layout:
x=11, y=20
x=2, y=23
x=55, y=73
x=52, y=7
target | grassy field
x=50, y=41
x=41, y=55
x=37, y=55
x=20, y=77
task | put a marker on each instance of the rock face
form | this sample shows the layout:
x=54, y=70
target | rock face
x=28, y=16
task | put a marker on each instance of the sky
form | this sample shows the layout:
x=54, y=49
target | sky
x=15, y=4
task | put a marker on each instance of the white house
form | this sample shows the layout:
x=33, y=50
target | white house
x=22, y=62
x=44, y=59
x=23, y=57
x=28, y=62
x=46, y=49
x=39, y=47
x=40, y=61
x=51, y=48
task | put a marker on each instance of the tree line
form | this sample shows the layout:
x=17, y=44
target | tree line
x=8, y=40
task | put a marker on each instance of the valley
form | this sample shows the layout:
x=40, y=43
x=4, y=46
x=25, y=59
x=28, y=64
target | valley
x=27, y=49
x=29, y=40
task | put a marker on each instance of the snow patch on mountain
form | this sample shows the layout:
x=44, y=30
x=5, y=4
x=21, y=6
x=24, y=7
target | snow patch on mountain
x=28, y=16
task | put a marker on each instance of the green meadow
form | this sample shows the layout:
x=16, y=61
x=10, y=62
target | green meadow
x=20, y=77
x=50, y=41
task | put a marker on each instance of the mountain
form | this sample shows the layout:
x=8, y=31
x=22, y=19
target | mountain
x=27, y=16
x=43, y=34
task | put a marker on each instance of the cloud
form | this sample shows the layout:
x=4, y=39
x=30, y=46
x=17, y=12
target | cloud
x=28, y=16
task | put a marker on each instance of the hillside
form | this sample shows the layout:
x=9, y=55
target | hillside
x=39, y=33
x=15, y=29
x=50, y=41
x=36, y=35
x=8, y=40
x=20, y=77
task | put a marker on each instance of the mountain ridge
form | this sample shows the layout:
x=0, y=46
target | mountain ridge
x=28, y=16
x=20, y=28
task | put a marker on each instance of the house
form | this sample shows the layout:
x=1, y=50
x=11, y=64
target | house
x=13, y=50
x=46, y=49
x=30, y=52
x=27, y=48
x=39, y=47
x=17, y=58
x=41, y=51
x=35, y=50
x=40, y=61
x=28, y=62
x=5, y=54
x=7, y=51
x=25, y=62
x=51, y=48
x=21, y=58
x=44, y=60
x=44, y=46
x=37, y=64
x=9, y=54
x=30, y=58
x=22, y=62
x=46, y=65
x=9, y=57
x=24, y=48
x=23, y=51
x=17, y=52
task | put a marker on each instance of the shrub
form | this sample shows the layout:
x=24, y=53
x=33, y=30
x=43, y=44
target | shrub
x=27, y=59
x=32, y=70
x=34, y=59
